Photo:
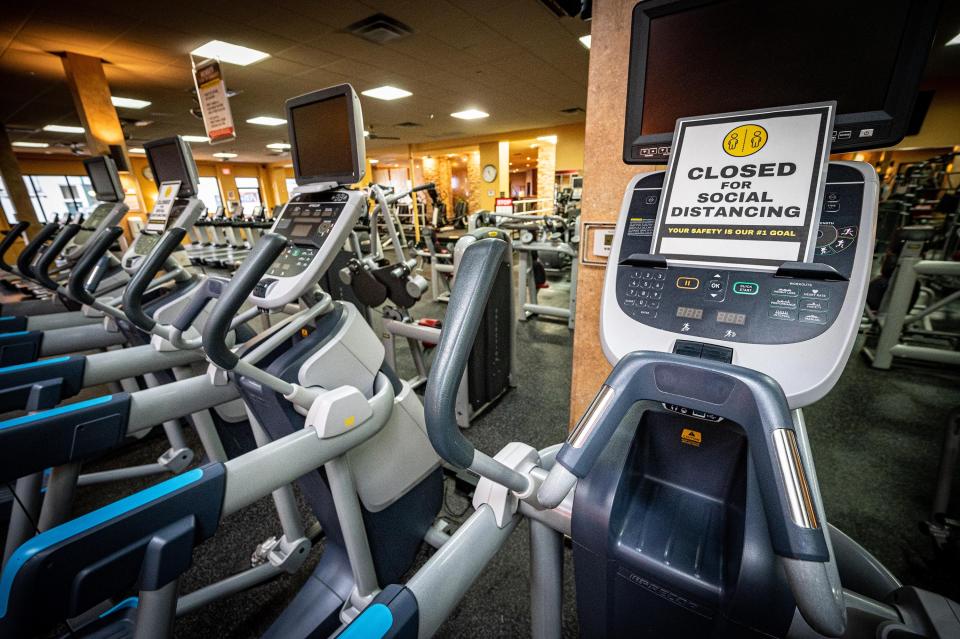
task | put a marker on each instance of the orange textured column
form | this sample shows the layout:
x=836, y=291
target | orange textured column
x=605, y=177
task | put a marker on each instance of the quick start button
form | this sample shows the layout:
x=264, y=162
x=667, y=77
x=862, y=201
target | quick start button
x=746, y=288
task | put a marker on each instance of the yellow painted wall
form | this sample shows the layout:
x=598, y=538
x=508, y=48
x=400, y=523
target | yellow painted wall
x=488, y=192
x=941, y=127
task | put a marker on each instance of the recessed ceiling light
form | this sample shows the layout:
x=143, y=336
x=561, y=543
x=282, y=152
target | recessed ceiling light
x=470, y=114
x=552, y=139
x=386, y=93
x=374, y=161
x=225, y=155
x=266, y=120
x=954, y=40
x=58, y=128
x=129, y=103
x=232, y=53
x=279, y=146
x=136, y=149
x=195, y=138
x=30, y=145
x=585, y=41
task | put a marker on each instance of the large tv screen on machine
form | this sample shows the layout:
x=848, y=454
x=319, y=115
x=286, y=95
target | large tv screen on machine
x=700, y=57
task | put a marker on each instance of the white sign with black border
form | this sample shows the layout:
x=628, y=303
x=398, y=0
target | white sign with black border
x=745, y=188
x=160, y=215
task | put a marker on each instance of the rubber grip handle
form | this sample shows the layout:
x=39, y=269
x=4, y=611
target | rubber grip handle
x=85, y=265
x=42, y=268
x=25, y=259
x=424, y=187
x=475, y=276
x=242, y=283
x=138, y=284
x=9, y=239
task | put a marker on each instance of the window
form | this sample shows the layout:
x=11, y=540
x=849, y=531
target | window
x=7, y=204
x=291, y=185
x=209, y=193
x=54, y=195
x=248, y=188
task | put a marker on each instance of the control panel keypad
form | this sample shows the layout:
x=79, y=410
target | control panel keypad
x=740, y=305
x=293, y=261
x=644, y=293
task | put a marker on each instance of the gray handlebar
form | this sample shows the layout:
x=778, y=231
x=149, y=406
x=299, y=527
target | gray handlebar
x=475, y=276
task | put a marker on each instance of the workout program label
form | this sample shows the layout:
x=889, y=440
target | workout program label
x=745, y=188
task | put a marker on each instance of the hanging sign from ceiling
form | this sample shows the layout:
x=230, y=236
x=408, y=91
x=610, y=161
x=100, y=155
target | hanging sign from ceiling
x=214, y=102
x=745, y=189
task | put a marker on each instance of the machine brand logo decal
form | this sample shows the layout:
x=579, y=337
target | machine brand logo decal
x=744, y=140
x=691, y=437
x=664, y=593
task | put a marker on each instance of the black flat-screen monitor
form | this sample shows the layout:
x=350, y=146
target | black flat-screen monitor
x=700, y=57
x=104, y=178
x=326, y=136
x=171, y=161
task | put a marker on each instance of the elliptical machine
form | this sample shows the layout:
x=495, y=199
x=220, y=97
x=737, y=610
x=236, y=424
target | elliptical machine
x=68, y=242
x=687, y=487
x=340, y=423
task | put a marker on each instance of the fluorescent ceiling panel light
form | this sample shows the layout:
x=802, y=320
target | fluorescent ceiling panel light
x=954, y=40
x=30, y=145
x=552, y=139
x=129, y=103
x=366, y=134
x=232, y=53
x=585, y=41
x=470, y=114
x=57, y=128
x=266, y=120
x=374, y=161
x=225, y=155
x=195, y=138
x=386, y=93
x=138, y=150
x=279, y=146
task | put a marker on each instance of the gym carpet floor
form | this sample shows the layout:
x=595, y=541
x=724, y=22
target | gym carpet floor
x=876, y=441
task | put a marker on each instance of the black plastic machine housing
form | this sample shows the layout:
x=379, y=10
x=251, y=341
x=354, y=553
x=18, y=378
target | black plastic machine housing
x=762, y=52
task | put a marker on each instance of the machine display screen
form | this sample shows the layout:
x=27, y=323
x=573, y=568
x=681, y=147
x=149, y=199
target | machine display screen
x=692, y=58
x=104, y=184
x=724, y=317
x=324, y=143
x=687, y=312
x=301, y=230
x=169, y=165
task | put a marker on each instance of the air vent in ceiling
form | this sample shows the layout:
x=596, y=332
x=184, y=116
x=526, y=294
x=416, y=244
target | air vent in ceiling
x=408, y=124
x=572, y=110
x=379, y=29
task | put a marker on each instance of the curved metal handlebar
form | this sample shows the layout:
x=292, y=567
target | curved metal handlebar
x=138, y=284
x=85, y=265
x=8, y=241
x=246, y=278
x=42, y=269
x=26, y=257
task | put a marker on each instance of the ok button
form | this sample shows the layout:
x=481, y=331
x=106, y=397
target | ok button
x=688, y=283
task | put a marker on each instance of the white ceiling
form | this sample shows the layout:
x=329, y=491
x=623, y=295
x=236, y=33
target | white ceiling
x=512, y=58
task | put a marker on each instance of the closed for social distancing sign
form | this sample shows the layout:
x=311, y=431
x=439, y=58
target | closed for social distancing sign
x=745, y=189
